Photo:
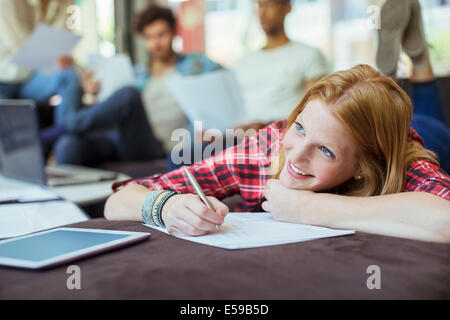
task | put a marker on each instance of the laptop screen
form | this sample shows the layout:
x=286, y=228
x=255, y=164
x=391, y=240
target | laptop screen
x=20, y=148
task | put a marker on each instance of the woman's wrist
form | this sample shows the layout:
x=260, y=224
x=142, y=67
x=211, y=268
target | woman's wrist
x=152, y=206
x=166, y=208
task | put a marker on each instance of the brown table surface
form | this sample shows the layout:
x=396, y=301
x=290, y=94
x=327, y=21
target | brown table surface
x=165, y=267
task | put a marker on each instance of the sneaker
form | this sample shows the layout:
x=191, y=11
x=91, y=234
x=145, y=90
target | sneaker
x=394, y=18
x=414, y=43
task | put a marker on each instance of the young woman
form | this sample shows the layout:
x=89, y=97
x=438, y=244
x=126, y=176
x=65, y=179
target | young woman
x=346, y=158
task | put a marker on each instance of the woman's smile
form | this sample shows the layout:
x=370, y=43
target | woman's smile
x=296, y=172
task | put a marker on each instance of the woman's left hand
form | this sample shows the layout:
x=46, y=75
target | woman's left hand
x=289, y=205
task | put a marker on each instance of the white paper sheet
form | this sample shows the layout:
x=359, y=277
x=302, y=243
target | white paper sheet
x=20, y=219
x=112, y=72
x=213, y=98
x=27, y=194
x=259, y=229
x=41, y=50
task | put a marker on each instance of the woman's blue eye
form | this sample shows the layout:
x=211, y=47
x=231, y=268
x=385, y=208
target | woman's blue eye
x=327, y=152
x=299, y=127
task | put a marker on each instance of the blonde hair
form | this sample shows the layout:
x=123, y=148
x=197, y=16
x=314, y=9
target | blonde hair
x=377, y=114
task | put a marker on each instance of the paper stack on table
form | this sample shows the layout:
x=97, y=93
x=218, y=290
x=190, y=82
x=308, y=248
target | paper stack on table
x=37, y=209
x=27, y=194
x=24, y=218
x=259, y=229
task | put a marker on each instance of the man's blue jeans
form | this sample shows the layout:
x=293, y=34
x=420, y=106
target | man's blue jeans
x=40, y=87
x=116, y=129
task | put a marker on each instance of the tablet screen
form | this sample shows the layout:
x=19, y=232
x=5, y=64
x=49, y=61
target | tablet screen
x=53, y=244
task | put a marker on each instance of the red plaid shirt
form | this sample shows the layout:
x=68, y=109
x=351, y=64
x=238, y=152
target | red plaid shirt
x=244, y=169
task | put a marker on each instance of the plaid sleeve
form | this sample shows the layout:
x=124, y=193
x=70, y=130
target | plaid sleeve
x=215, y=180
x=242, y=169
x=426, y=177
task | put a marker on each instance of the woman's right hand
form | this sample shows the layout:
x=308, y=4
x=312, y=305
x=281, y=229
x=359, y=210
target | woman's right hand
x=186, y=214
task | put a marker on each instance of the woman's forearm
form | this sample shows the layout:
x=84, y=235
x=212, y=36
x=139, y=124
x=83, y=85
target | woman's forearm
x=126, y=204
x=414, y=215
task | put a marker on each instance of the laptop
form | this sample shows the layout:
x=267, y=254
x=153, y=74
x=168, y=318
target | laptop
x=21, y=154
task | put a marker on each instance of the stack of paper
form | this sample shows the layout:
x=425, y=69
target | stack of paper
x=20, y=219
x=27, y=194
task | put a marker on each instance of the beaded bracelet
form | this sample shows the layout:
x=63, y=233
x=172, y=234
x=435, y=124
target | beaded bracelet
x=147, y=207
x=157, y=208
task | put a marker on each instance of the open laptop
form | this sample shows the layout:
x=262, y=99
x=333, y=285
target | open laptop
x=21, y=155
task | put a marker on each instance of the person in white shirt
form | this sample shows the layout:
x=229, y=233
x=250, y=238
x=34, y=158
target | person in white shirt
x=274, y=78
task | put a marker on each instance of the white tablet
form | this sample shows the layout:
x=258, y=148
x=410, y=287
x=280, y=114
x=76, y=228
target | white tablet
x=61, y=245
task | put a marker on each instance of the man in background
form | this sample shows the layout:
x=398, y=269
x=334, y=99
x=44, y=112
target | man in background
x=274, y=78
x=135, y=123
x=18, y=19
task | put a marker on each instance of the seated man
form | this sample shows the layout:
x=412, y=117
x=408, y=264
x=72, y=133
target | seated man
x=18, y=19
x=140, y=118
x=274, y=78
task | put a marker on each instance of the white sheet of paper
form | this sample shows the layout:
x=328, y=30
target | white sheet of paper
x=258, y=229
x=113, y=73
x=27, y=194
x=41, y=50
x=20, y=219
x=213, y=98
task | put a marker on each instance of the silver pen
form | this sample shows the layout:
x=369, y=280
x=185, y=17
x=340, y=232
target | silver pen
x=200, y=193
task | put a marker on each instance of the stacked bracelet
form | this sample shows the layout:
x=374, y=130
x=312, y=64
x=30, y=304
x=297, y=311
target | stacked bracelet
x=147, y=207
x=152, y=209
x=157, y=208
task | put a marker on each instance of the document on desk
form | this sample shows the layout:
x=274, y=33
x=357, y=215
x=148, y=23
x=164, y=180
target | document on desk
x=27, y=194
x=20, y=219
x=258, y=229
x=213, y=98
x=41, y=50
x=107, y=69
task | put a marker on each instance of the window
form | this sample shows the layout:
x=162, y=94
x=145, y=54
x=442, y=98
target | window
x=105, y=27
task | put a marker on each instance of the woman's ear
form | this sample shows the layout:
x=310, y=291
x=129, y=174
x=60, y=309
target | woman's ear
x=359, y=174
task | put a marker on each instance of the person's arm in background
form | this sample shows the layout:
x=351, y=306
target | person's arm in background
x=14, y=31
